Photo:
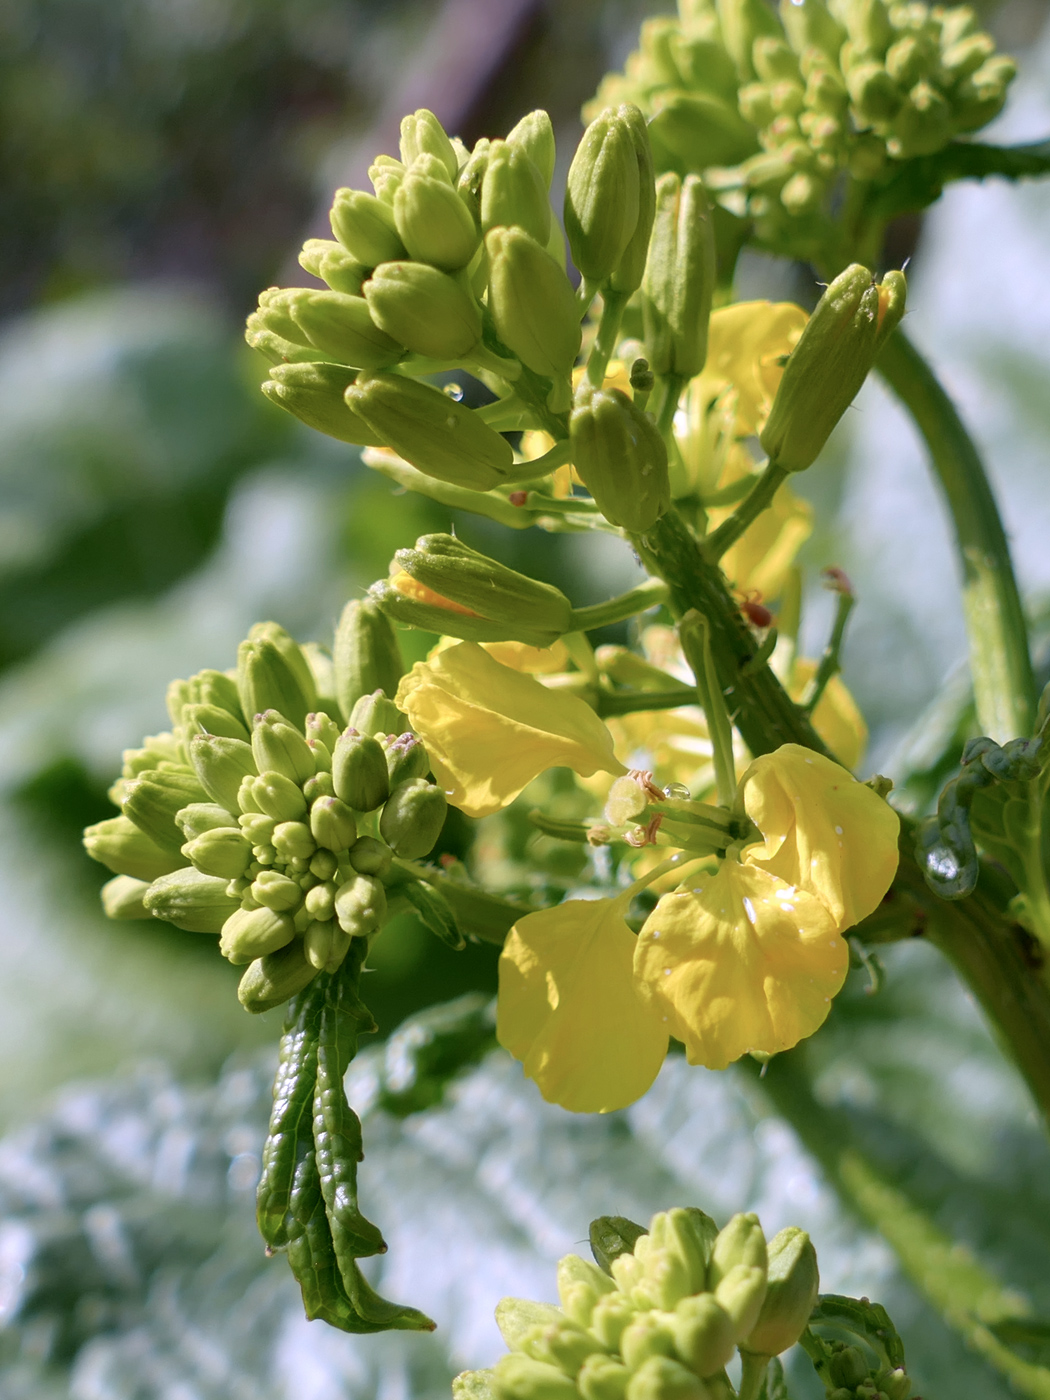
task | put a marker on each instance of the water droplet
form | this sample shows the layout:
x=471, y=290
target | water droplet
x=454, y=391
x=677, y=790
x=667, y=972
x=838, y=831
x=749, y=910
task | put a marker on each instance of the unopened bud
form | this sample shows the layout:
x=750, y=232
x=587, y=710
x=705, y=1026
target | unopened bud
x=828, y=366
x=153, y=800
x=742, y=1292
x=740, y=1242
x=412, y=818
x=271, y=980
x=660, y=1378
x=560, y=1344
x=438, y=436
x=627, y=275
x=741, y=23
x=124, y=848
x=424, y=308
x=875, y=96
x=360, y=906
x=602, y=1378
x=704, y=1334
x=517, y=1317
x=649, y=1334
x=434, y=223
x=612, y=1314
x=191, y=901
x=332, y=264
x=366, y=654
x=122, y=898
x=791, y=1296
x=294, y=658
x=325, y=945
x=895, y=1384
x=849, y=1367
x=257, y=827
x=535, y=135
x=621, y=457
x=279, y=747
x=406, y=758
x=315, y=393
x=332, y=824
x=580, y=1285
x=278, y=892
x=279, y=797
x=375, y=714
x=370, y=857
x=292, y=841
x=253, y=933
x=365, y=227
x=514, y=193
x=359, y=772
x=342, y=325
x=471, y=177
x=223, y=851
x=212, y=719
x=602, y=196
x=532, y=303
x=679, y=277
x=221, y=765
x=423, y=134
x=517, y=1377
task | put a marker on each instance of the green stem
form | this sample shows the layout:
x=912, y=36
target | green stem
x=694, y=631
x=761, y=497
x=608, y=333
x=753, y=1373
x=673, y=384
x=1003, y=683
x=649, y=594
x=629, y=702
x=558, y=455
x=829, y=662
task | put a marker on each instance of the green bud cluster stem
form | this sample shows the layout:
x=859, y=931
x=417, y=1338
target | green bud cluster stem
x=775, y=105
x=662, y=1316
x=264, y=817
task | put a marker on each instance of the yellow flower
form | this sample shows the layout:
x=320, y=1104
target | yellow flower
x=519, y=656
x=570, y=1008
x=750, y=958
x=489, y=730
x=745, y=346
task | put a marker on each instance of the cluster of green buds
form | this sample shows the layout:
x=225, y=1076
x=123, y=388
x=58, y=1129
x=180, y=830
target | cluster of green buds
x=659, y=1316
x=774, y=106
x=273, y=811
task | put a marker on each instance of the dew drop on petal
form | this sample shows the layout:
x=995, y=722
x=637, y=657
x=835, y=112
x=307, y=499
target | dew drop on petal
x=749, y=910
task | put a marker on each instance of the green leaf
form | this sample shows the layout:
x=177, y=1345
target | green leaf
x=435, y=911
x=611, y=1236
x=866, y=1320
x=919, y=182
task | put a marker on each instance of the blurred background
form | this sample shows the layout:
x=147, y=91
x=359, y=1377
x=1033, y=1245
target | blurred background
x=159, y=165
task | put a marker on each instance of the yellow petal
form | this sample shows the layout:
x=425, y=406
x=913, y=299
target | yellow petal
x=824, y=832
x=537, y=661
x=737, y=962
x=570, y=1009
x=746, y=342
x=489, y=730
x=837, y=718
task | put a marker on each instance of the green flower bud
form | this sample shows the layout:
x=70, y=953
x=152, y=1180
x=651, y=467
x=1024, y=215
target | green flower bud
x=320, y=901
x=423, y=134
x=679, y=278
x=292, y=841
x=532, y=303
x=221, y=765
x=341, y=325
x=325, y=944
x=472, y=175
x=602, y=193
x=153, y=800
x=366, y=654
x=774, y=61
x=741, y=23
x=517, y=1317
x=257, y=827
x=315, y=394
x=267, y=681
x=742, y=1292
x=648, y=1334
x=359, y=771
x=704, y=1334
x=324, y=865
x=602, y=1378
x=660, y=1378
x=621, y=457
x=580, y=1285
x=517, y=1377
x=375, y=714
x=829, y=364
x=473, y=1385
x=560, y=1344
x=849, y=1367
x=277, y=892
x=295, y=659
x=810, y=25
x=696, y=130
x=438, y=436
x=612, y=1314
x=922, y=125
x=332, y=825
x=360, y=906
x=874, y=94
x=895, y=1384
x=275, y=348
x=514, y=192
x=277, y=746
x=740, y=1242
x=122, y=898
x=124, y=848
x=534, y=134
x=434, y=223
x=271, y=980
x=210, y=719
x=253, y=933
x=156, y=748
x=190, y=900
x=279, y=797
x=449, y=568
x=222, y=851
x=370, y=857
x=424, y=308
x=321, y=727
x=627, y=275
x=386, y=174
x=406, y=758
x=412, y=818
x=365, y=227
x=794, y=1283
x=868, y=25
x=332, y=264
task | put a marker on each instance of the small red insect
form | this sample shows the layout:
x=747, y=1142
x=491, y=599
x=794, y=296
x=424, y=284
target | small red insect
x=518, y=498
x=754, y=609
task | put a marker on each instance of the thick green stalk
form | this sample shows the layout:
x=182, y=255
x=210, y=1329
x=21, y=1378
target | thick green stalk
x=1003, y=684
x=984, y=944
